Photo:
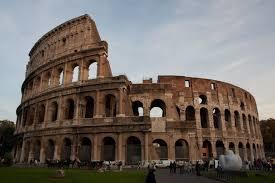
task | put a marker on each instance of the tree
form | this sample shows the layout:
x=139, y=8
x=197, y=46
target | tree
x=7, y=139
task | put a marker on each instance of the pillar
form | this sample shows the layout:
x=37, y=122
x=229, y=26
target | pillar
x=95, y=149
x=146, y=147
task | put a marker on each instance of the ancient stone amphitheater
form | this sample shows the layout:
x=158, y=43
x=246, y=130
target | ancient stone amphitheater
x=73, y=107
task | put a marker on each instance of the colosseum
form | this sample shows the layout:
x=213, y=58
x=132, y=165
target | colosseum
x=73, y=107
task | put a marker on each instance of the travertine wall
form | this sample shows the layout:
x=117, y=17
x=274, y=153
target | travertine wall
x=61, y=116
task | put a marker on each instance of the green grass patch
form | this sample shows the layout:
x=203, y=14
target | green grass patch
x=43, y=175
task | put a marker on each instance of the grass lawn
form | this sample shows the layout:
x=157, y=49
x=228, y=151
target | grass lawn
x=41, y=175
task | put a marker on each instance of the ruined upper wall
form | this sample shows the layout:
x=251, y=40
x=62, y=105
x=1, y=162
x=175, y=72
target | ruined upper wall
x=72, y=36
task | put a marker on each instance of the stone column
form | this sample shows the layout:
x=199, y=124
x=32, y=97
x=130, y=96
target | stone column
x=214, y=150
x=57, y=149
x=42, y=151
x=146, y=147
x=31, y=153
x=121, y=104
x=120, y=148
x=46, y=115
x=95, y=148
x=245, y=153
x=171, y=149
x=22, y=152
x=98, y=106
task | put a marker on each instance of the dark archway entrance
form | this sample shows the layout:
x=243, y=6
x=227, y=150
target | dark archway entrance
x=160, y=150
x=108, y=149
x=66, y=149
x=133, y=150
x=207, y=149
x=50, y=150
x=181, y=150
x=85, y=150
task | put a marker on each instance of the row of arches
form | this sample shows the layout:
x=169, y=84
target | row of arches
x=69, y=109
x=58, y=76
x=242, y=150
x=133, y=151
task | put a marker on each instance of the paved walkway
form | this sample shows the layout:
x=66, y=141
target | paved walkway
x=163, y=176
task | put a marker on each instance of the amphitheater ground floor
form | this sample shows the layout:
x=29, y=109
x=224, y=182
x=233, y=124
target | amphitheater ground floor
x=131, y=148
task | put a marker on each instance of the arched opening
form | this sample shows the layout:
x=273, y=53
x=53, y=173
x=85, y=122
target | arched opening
x=241, y=150
x=26, y=152
x=202, y=99
x=237, y=119
x=25, y=116
x=219, y=148
x=204, y=117
x=227, y=117
x=254, y=151
x=157, y=109
x=89, y=109
x=69, y=109
x=232, y=146
x=75, y=77
x=50, y=150
x=181, y=150
x=85, y=150
x=137, y=107
x=66, y=149
x=110, y=105
x=47, y=80
x=244, y=121
x=178, y=112
x=160, y=150
x=190, y=113
x=248, y=152
x=31, y=116
x=41, y=113
x=242, y=106
x=207, y=149
x=108, y=149
x=36, y=150
x=217, y=118
x=53, y=111
x=92, y=73
x=60, y=78
x=133, y=150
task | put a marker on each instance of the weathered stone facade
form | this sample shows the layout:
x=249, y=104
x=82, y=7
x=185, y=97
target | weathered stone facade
x=66, y=115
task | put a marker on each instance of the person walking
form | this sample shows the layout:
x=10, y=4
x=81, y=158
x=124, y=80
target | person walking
x=150, y=178
x=198, y=169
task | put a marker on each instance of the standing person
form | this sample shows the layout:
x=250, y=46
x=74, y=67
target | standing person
x=174, y=167
x=150, y=178
x=171, y=166
x=198, y=169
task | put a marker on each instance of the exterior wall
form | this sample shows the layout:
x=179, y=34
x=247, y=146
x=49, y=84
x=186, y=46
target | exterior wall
x=113, y=98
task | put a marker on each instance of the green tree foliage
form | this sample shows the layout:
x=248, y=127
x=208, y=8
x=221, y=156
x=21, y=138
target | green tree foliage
x=268, y=130
x=7, y=139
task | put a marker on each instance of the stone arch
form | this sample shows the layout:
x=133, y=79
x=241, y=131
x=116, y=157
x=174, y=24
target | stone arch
x=25, y=115
x=75, y=73
x=227, y=117
x=204, y=117
x=41, y=113
x=219, y=148
x=92, y=70
x=36, y=150
x=250, y=124
x=202, y=99
x=237, y=119
x=30, y=116
x=232, y=146
x=137, y=107
x=26, y=151
x=110, y=105
x=69, y=109
x=242, y=106
x=241, y=150
x=37, y=83
x=158, y=108
x=133, y=150
x=244, y=121
x=108, y=151
x=160, y=150
x=207, y=149
x=248, y=152
x=49, y=155
x=85, y=150
x=254, y=151
x=181, y=150
x=53, y=112
x=190, y=113
x=66, y=149
x=46, y=81
x=89, y=107
x=60, y=76
x=217, y=118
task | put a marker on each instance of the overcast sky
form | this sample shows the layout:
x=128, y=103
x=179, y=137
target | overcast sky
x=227, y=40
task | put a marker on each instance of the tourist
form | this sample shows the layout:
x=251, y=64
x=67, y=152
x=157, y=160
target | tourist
x=171, y=166
x=198, y=169
x=150, y=178
x=174, y=167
